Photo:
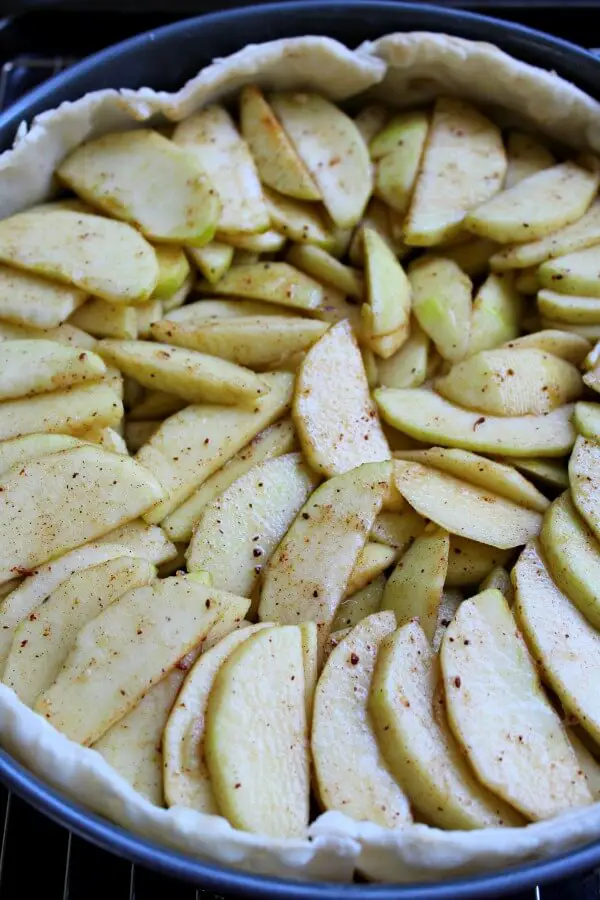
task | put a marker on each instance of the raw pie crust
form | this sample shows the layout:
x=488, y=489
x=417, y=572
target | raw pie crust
x=401, y=69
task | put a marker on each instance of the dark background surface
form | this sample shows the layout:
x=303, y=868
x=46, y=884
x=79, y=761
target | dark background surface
x=38, y=858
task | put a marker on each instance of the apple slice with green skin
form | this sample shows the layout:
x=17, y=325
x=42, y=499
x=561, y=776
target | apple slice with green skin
x=127, y=649
x=351, y=775
x=464, y=509
x=499, y=714
x=173, y=269
x=373, y=559
x=412, y=731
x=272, y=282
x=569, y=308
x=185, y=772
x=570, y=347
x=26, y=299
x=278, y=164
x=67, y=499
x=398, y=149
x=526, y=156
x=387, y=310
x=132, y=746
x=565, y=644
x=581, y=234
x=586, y=417
x=486, y=473
x=573, y=556
x=73, y=247
x=397, y=529
x=441, y=297
x=333, y=412
x=463, y=164
x=359, y=605
x=43, y=641
x=256, y=741
x=550, y=473
x=194, y=376
x=499, y=579
x=414, y=589
x=584, y=481
x=121, y=173
x=496, y=315
x=536, y=206
x=592, y=380
x=211, y=136
x=213, y=259
x=507, y=382
x=324, y=267
x=407, y=367
x=428, y=417
x=332, y=149
x=300, y=584
x=471, y=561
x=238, y=531
x=298, y=220
x=574, y=273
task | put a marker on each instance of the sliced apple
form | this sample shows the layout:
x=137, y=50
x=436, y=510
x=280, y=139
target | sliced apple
x=441, y=296
x=173, y=269
x=321, y=265
x=407, y=367
x=104, y=319
x=551, y=473
x=526, y=156
x=298, y=220
x=500, y=580
x=428, y=417
x=469, y=562
x=148, y=541
x=463, y=164
x=464, y=509
x=496, y=315
x=498, y=712
x=121, y=173
x=278, y=164
x=32, y=446
x=566, y=646
x=536, y=206
x=414, y=589
x=573, y=309
x=420, y=750
x=584, y=481
x=227, y=429
x=185, y=772
x=567, y=346
x=73, y=248
x=332, y=149
x=211, y=136
x=272, y=282
x=359, y=605
x=256, y=743
x=586, y=416
x=26, y=299
x=300, y=584
x=119, y=655
x=387, y=310
x=334, y=414
x=43, y=641
x=373, y=559
x=238, y=531
x=351, y=774
x=398, y=529
x=398, y=149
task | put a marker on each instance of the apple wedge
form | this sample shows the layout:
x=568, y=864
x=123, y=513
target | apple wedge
x=37, y=367
x=274, y=441
x=565, y=644
x=66, y=499
x=507, y=382
x=148, y=541
x=359, y=605
x=278, y=164
x=185, y=772
x=584, y=481
x=132, y=746
x=370, y=120
x=300, y=584
x=73, y=248
x=493, y=476
x=43, y=641
x=414, y=589
x=155, y=406
x=325, y=268
x=226, y=430
x=213, y=259
x=470, y=561
x=498, y=712
x=272, y=282
x=537, y=206
x=212, y=138
x=441, y=299
x=407, y=367
x=173, y=269
x=204, y=311
x=581, y=234
x=499, y=579
x=26, y=299
x=121, y=174
x=465, y=509
x=574, y=273
x=586, y=416
x=496, y=314
x=238, y=531
x=119, y=655
x=298, y=220
x=526, y=156
x=333, y=412
x=373, y=559
x=193, y=376
x=567, y=346
x=463, y=164
x=254, y=341
x=351, y=775
x=256, y=738
x=428, y=417
x=411, y=727
x=32, y=446
x=104, y=319
x=397, y=529
x=551, y=473
x=387, y=310
x=572, y=309
x=398, y=149
x=332, y=149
